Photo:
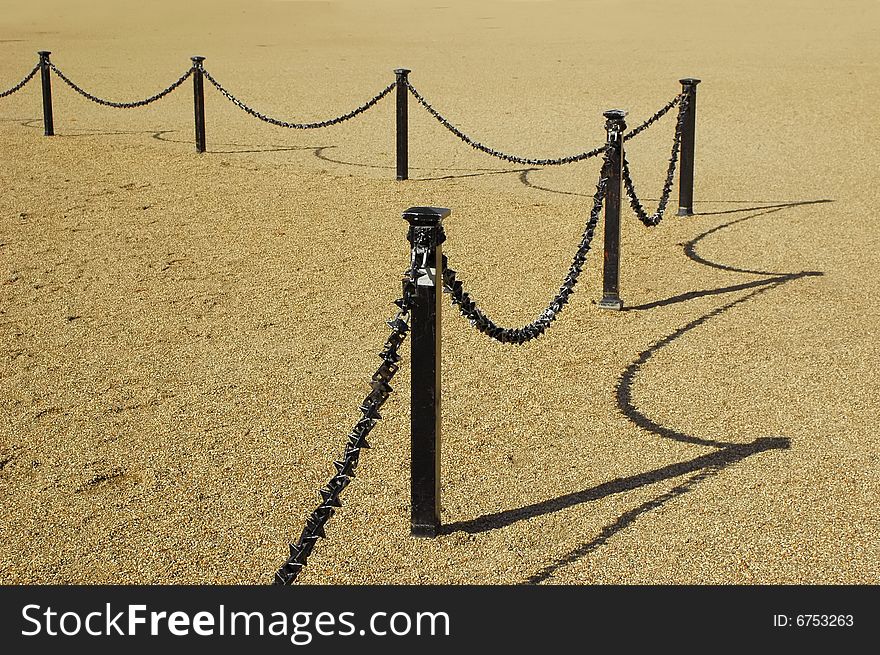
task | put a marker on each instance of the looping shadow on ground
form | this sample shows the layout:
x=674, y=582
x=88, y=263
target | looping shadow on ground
x=754, y=205
x=243, y=148
x=251, y=148
x=160, y=135
x=466, y=172
x=699, y=469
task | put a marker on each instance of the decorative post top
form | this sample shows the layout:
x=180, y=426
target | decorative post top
x=690, y=81
x=197, y=60
x=425, y=228
x=614, y=124
x=426, y=216
x=44, y=54
x=402, y=71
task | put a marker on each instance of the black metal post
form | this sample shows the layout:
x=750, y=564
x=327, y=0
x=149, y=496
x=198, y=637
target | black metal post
x=402, y=124
x=199, y=102
x=614, y=126
x=426, y=236
x=48, y=122
x=686, y=159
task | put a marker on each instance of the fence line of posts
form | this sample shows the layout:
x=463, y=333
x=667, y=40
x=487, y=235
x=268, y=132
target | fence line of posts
x=429, y=275
x=404, y=90
x=426, y=403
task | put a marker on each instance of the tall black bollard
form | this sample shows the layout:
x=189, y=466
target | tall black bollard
x=199, y=102
x=48, y=122
x=402, y=124
x=426, y=236
x=686, y=176
x=614, y=126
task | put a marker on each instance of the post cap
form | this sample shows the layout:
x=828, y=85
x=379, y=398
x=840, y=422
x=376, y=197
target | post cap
x=426, y=215
x=44, y=53
x=402, y=71
x=614, y=114
x=690, y=81
x=197, y=58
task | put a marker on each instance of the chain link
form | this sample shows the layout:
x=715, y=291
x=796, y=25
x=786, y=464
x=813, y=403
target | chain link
x=27, y=78
x=497, y=153
x=357, y=439
x=298, y=126
x=468, y=307
x=121, y=105
x=655, y=218
x=653, y=119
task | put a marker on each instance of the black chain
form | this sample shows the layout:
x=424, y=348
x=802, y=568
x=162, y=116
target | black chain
x=27, y=78
x=299, y=126
x=655, y=218
x=121, y=105
x=497, y=153
x=656, y=117
x=536, y=328
x=357, y=439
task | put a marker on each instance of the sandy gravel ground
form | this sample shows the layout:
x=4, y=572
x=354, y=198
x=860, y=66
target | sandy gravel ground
x=184, y=339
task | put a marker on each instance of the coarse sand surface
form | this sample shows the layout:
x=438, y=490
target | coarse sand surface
x=185, y=339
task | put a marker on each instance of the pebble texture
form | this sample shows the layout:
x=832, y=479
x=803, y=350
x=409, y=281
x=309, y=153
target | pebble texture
x=184, y=339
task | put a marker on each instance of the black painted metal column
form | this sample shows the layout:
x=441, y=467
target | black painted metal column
x=402, y=123
x=48, y=121
x=686, y=159
x=426, y=236
x=614, y=126
x=199, y=102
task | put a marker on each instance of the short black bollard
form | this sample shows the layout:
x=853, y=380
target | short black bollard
x=199, y=102
x=426, y=236
x=48, y=122
x=402, y=123
x=686, y=159
x=614, y=125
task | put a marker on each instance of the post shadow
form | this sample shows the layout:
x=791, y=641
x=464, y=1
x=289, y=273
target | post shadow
x=704, y=467
x=726, y=453
x=691, y=253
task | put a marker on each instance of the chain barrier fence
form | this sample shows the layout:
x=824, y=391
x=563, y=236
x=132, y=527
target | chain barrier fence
x=429, y=275
x=473, y=143
x=653, y=119
x=427, y=278
x=477, y=318
x=20, y=85
x=298, y=126
x=402, y=83
x=638, y=208
x=357, y=440
x=121, y=105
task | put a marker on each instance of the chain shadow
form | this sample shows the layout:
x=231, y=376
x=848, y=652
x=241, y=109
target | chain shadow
x=159, y=135
x=755, y=205
x=691, y=253
x=248, y=147
x=765, y=204
x=467, y=172
x=707, y=466
x=622, y=522
x=37, y=123
x=699, y=469
x=720, y=459
x=727, y=453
